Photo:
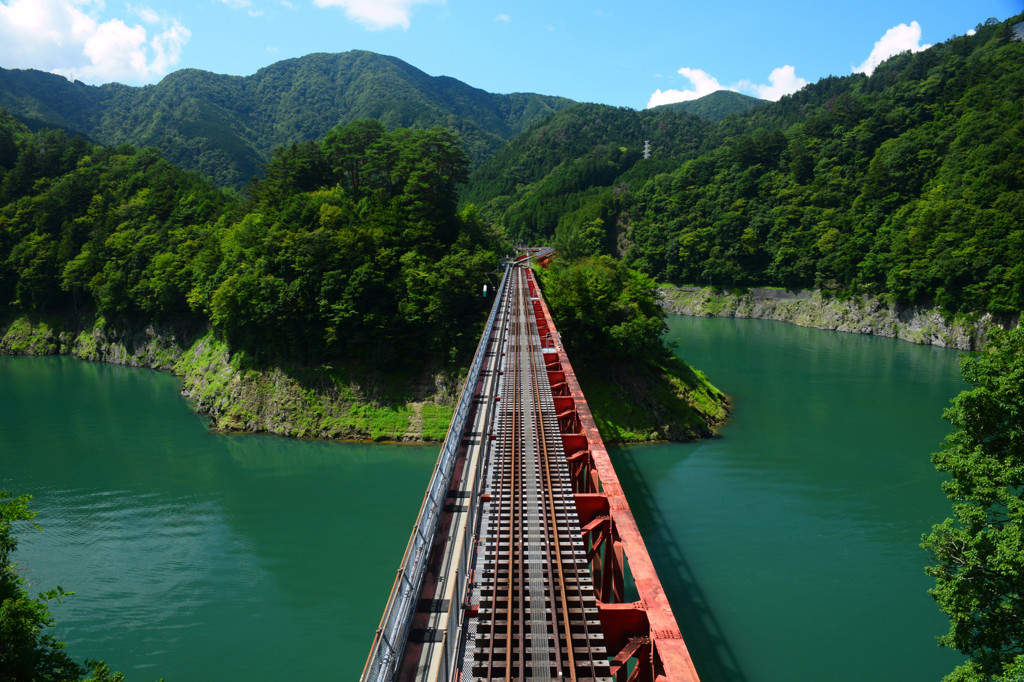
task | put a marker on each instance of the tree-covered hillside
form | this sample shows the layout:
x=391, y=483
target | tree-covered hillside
x=717, y=105
x=571, y=168
x=226, y=127
x=907, y=183
x=348, y=248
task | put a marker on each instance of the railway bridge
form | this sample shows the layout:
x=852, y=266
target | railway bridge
x=516, y=567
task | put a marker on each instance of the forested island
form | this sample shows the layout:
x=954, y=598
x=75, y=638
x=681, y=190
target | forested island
x=325, y=281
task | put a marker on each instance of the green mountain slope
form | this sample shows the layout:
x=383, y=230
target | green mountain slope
x=226, y=126
x=584, y=156
x=906, y=184
x=717, y=105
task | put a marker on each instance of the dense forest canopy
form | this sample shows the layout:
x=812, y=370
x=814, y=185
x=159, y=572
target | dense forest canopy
x=227, y=127
x=349, y=247
x=571, y=168
x=905, y=184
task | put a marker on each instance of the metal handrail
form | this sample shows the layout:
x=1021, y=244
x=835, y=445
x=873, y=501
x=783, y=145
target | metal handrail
x=393, y=633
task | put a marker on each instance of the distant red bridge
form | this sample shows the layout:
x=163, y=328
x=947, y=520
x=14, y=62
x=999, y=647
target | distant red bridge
x=516, y=567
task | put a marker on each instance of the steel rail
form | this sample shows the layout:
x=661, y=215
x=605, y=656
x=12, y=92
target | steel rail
x=517, y=557
x=551, y=526
x=535, y=623
x=515, y=483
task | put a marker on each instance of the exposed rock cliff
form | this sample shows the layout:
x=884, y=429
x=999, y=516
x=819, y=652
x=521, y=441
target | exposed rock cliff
x=859, y=315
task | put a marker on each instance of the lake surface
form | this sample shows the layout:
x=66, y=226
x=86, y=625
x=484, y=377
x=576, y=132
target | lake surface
x=200, y=556
x=789, y=546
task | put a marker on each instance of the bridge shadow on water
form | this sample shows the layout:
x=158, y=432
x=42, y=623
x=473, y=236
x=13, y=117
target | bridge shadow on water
x=713, y=657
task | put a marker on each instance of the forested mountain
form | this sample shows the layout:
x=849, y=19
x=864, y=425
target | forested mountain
x=226, y=127
x=907, y=183
x=568, y=169
x=349, y=247
x=717, y=105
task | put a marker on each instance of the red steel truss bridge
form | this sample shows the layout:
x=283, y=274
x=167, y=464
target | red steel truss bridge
x=516, y=566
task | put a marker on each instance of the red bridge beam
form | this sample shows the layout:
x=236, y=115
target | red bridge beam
x=644, y=632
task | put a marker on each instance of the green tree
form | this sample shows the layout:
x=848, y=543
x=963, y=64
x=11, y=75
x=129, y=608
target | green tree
x=978, y=556
x=604, y=310
x=576, y=240
x=27, y=650
x=345, y=148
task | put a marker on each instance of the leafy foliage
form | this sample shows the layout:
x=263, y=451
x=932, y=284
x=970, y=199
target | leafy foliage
x=979, y=556
x=227, y=127
x=604, y=310
x=27, y=650
x=349, y=248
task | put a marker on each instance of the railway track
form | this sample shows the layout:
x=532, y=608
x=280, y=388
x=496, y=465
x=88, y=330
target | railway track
x=495, y=582
x=537, y=617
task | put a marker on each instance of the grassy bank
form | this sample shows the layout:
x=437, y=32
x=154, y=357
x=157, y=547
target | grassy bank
x=309, y=401
x=657, y=400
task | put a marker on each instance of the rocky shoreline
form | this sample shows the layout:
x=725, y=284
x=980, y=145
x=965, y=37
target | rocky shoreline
x=320, y=402
x=858, y=315
x=305, y=402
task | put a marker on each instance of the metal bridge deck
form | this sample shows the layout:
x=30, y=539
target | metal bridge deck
x=537, y=615
x=515, y=567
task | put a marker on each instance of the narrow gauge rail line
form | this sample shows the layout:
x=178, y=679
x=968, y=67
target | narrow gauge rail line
x=538, y=617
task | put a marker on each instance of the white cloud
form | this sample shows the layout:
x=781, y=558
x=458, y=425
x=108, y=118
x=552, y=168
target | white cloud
x=702, y=82
x=376, y=15
x=896, y=40
x=504, y=18
x=168, y=46
x=147, y=14
x=238, y=4
x=781, y=81
x=67, y=37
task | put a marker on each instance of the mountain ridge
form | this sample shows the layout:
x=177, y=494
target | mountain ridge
x=716, y=105
x=226, y=126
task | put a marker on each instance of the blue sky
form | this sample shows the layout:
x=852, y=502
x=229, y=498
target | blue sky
x=631, y=54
